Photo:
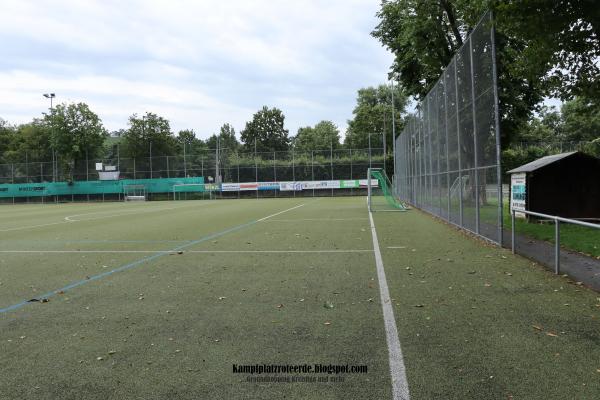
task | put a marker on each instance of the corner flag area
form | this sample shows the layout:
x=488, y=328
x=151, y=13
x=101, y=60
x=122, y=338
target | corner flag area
x=280, y=298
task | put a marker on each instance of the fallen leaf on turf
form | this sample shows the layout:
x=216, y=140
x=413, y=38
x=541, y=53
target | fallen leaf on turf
x=539, y=328
x=112, y=352
x=328, y=304
x=99, y=358
x=301, y=300
x=551, y=334
x=370, y=300
x=419, y=305
x=598, y=370
x=22, y=337
x=222, y=298
x=471, y=272
x=504, y=257
x=60, y=292
x=487, y=284
x=327, y=323
x=279, y=305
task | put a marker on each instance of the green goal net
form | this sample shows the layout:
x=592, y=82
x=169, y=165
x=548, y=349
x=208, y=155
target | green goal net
x=380, y=194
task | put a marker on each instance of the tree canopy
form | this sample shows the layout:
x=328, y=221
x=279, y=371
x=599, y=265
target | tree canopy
x=373, y=116
x=226, y=138
x=267, y=130
x=149, y=133
x=323, y=135
x=544, y=47
x=76, y=132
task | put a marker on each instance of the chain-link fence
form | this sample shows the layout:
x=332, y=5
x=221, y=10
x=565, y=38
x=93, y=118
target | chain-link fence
x=226, y=166
x=448, y=155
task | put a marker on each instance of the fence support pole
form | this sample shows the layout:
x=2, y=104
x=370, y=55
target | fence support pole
x=294, y=170
x=557, y=246
x=497, y=128
x=512, y=224
x=474, y=111
x=312, y=169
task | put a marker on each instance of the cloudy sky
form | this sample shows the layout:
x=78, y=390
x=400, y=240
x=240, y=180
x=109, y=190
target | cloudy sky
x=198, y=63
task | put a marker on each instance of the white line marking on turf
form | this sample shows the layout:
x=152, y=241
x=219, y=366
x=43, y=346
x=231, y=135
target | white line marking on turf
x=68, y=220
x=280, y=212
x=185, y=251
x=32, y=226
x=397, y=369
x=396, y=247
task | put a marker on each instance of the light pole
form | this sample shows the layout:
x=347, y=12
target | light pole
x=52, y=96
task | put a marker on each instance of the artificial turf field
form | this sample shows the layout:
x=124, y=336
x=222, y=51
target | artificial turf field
x=169, y=295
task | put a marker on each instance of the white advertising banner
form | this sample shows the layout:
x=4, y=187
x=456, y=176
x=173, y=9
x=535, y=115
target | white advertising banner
x=518, y=193
x=108, y=175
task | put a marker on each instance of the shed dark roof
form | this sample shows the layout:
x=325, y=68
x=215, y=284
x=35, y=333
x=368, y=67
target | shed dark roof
x=541, y=162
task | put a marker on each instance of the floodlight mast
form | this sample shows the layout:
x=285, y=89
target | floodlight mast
x=50, y=96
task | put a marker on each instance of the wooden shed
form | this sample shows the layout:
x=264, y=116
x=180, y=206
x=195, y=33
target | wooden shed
x=567, y=185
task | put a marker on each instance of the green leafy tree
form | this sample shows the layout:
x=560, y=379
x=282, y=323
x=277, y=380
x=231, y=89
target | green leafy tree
x=373, y=116
x=32, y=142
x=266, y=130
x=580, y=120
x=323, y=135
x=226, y=137
x=150, y=133
x=544, y=47
x=7, y=136
x=76, y=134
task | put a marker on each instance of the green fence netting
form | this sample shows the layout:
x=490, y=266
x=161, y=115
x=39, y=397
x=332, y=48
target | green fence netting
x=159, y=185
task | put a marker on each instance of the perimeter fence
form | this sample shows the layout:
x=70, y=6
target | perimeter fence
x=448, y=155
x=224, y=166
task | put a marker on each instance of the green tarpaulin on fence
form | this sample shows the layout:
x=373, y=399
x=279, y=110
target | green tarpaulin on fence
x=159, y=185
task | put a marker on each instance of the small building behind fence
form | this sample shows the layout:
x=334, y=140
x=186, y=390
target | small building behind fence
x=566, y=185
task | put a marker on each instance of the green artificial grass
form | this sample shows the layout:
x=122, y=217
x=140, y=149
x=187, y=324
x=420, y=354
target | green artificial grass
x=473, y=320
x=476, y=322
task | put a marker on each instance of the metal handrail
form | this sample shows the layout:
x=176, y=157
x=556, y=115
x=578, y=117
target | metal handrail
x=557, y=220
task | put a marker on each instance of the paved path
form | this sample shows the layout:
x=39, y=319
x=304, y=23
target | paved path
x=578, y=266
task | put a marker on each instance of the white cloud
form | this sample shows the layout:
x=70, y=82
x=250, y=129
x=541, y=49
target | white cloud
x=200, y=63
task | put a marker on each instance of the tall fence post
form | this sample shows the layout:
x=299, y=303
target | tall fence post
x=512, y=229
x=312, y=169
x=476, y=155
x=331, y=162
x=556, y=246
x=497, y=126
x=294, y=171
x=460, y=186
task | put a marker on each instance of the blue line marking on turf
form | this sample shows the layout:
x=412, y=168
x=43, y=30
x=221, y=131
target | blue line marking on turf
x=128, y=266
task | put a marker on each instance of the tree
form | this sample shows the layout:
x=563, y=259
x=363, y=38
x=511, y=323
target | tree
x=323, y=136
x=32, y=142
x=76, y=133
x=7, y=135
x=226, y=137
x=580, y=120
x=266, y=130
x=544, y=47
x=373, y=116
x=148, y=134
